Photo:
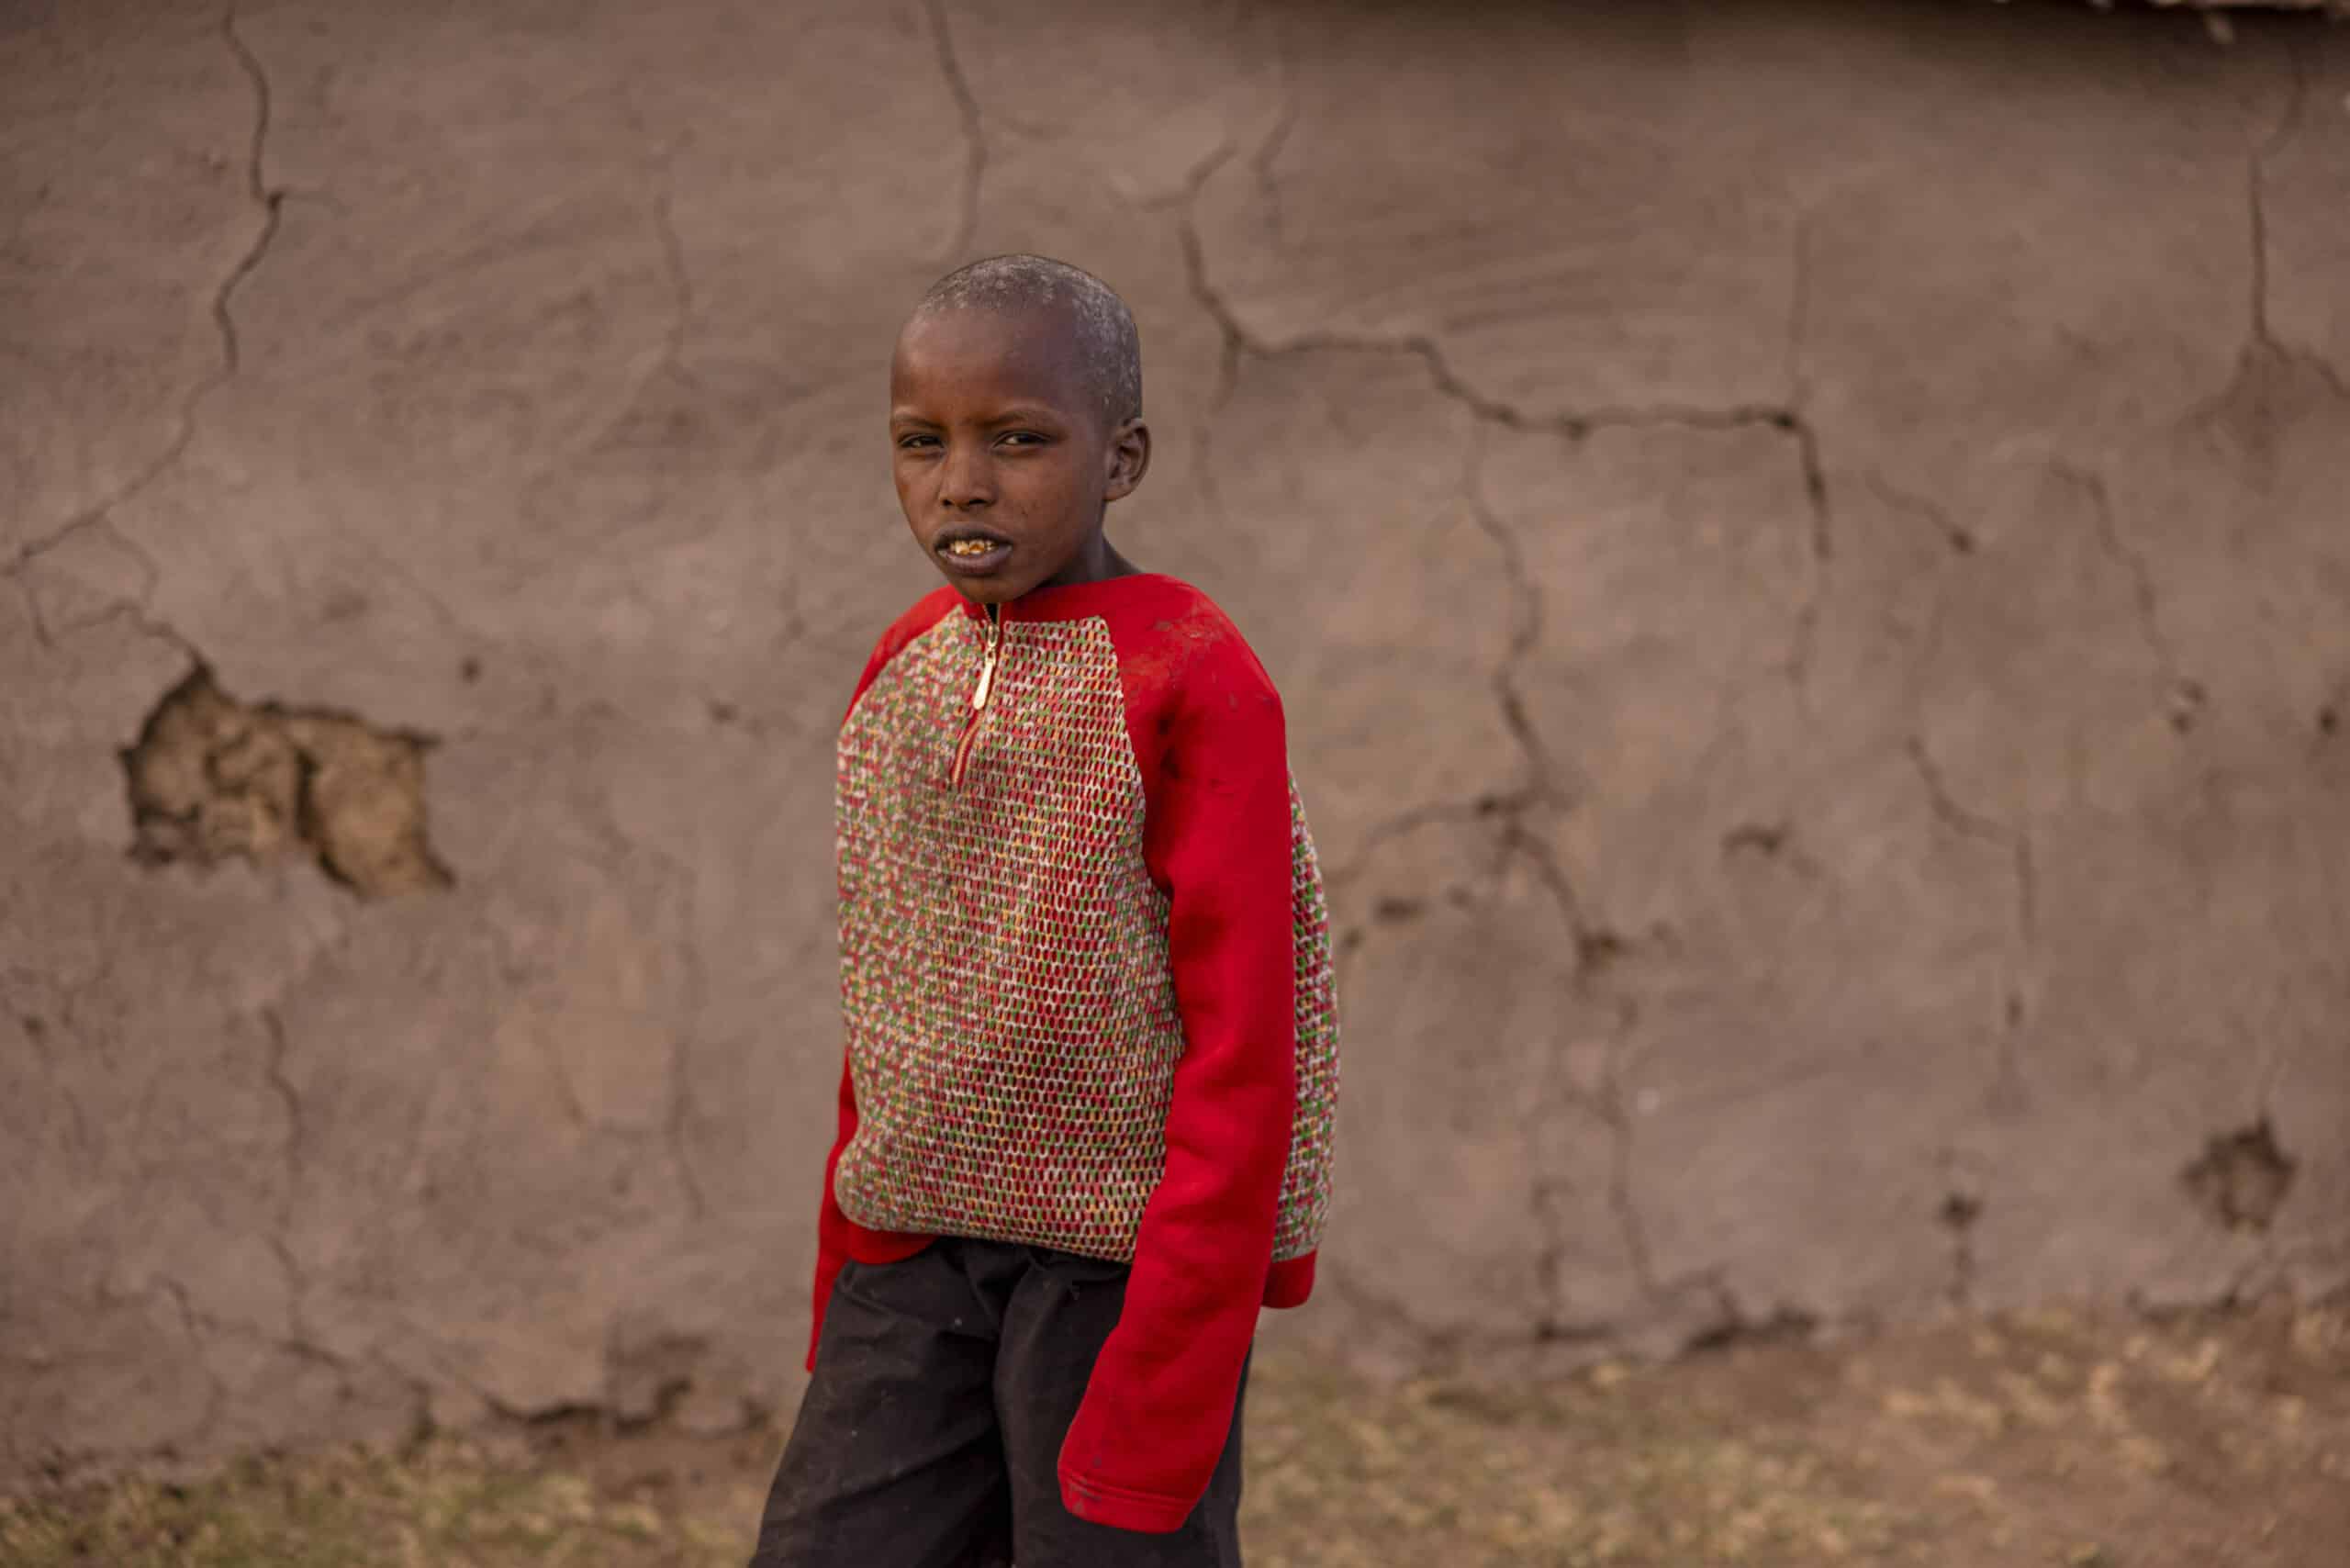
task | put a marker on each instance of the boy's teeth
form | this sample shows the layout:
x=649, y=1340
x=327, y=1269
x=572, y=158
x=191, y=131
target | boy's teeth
x=969, y=546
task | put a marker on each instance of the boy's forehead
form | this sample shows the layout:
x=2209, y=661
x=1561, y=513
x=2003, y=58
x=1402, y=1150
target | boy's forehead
x=1032, y=351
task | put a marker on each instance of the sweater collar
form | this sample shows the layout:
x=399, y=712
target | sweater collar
x=1068, y=601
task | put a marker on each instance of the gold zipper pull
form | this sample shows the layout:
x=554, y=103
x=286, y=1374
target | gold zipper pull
x=987, y=665
x=979, y=694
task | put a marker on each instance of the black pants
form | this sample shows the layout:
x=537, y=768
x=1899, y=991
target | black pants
x=931, y=1433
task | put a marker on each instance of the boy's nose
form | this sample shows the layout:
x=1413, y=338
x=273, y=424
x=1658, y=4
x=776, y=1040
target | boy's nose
x=965, y=480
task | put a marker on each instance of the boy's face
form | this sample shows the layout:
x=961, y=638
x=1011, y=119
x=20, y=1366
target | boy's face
x=1003, y=456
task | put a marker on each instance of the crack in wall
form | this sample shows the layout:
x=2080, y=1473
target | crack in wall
x=1260, y=161
x=682, y=1111
x=1230, y=344
x=280, y=1238
x=967, y=106
x=2261, y=341
x=1630, y=1227
x=567, y=1091
x=2280, y=136
x=270, y=200
x=681, y=284
x=1957, y=536
x=100, y=514
x=1821, y=541
x=659, y=170
x=194, y=1325
x=2181, y=696
x=2008, y=1091
x=678, y=1119
x=1596, y=950
x=1525, y=621
x=1725, y=1319
x=131, y=610
x=1555, y=1323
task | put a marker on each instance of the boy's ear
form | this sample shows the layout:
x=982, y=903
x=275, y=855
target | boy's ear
x=1129, y=459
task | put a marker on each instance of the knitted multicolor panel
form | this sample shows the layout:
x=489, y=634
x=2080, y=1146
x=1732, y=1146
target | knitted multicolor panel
x=1011, y=1014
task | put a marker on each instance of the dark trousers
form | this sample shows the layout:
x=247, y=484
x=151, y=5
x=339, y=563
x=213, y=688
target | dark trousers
x=931, y=1433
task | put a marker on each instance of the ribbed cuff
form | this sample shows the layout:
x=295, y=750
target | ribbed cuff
x=1097, y=1502
x=1291, y=1282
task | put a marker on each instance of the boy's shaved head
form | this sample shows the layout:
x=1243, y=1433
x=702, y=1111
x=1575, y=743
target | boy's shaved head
x=1015, y=404
x=1108, y=349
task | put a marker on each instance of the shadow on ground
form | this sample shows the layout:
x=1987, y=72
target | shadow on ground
x=2059, y=1437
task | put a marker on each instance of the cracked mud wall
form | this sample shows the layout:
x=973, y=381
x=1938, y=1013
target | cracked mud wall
x=1806, y=543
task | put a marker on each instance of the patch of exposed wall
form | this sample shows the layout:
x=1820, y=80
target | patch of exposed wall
x=1806, y=561
x=211, y=777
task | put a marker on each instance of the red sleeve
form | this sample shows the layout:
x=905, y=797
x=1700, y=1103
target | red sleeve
x=832, y=1224
x=1159, y=1407
x=834, y=1230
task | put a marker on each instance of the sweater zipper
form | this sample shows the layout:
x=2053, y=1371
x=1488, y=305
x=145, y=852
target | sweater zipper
x=980, y=695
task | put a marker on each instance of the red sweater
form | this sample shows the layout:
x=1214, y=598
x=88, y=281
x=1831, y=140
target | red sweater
x=1085, y=978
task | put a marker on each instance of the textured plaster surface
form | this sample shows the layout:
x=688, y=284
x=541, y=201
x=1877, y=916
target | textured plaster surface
x=1805, y=545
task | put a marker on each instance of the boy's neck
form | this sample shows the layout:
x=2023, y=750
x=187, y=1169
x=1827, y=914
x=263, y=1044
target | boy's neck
x=1098, y=563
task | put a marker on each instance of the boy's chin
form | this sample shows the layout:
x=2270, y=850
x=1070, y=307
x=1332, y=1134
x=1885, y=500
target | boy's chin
x=992, y=587
x=1001, y=586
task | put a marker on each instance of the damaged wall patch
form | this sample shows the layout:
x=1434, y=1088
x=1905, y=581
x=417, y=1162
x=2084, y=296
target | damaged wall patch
x=211, y=777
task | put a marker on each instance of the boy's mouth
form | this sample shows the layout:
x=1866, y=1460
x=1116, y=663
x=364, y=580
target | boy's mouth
x=971, y=552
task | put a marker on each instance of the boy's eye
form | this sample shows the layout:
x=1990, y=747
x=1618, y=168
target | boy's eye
x=907, y=443
x=1024, y=438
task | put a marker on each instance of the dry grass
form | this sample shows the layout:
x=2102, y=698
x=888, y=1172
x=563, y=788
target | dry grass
x=449, y=1505
x=2071, y=1440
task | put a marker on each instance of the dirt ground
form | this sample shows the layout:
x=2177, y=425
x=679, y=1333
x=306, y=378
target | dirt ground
x=2073, y=1438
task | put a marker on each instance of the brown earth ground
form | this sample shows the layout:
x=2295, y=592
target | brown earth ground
x=2083, y=1439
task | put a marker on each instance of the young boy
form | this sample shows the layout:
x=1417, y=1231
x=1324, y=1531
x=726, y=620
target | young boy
x=1091, y=1077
